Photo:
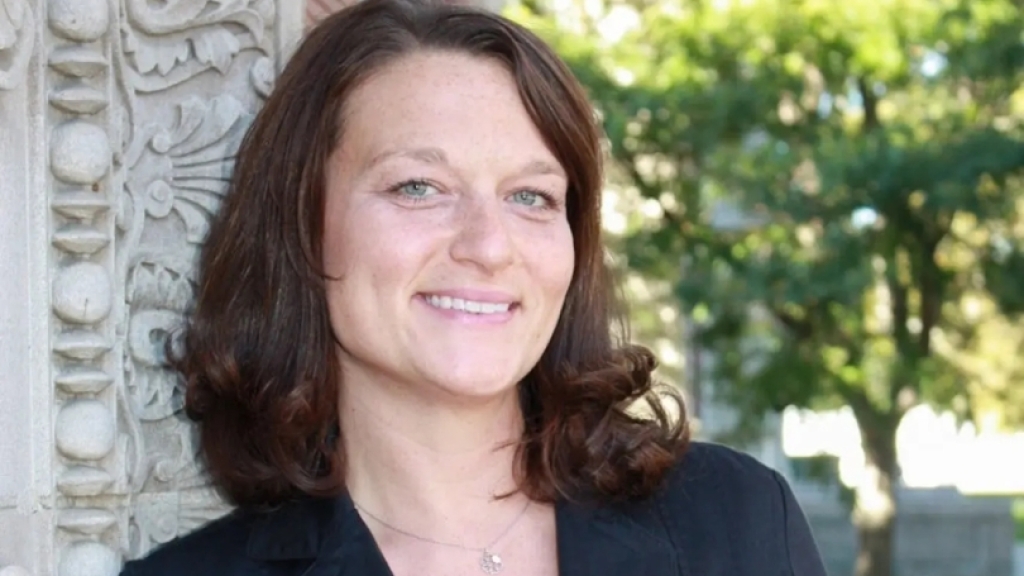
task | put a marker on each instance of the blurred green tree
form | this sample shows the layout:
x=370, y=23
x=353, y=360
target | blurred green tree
x=834, y=190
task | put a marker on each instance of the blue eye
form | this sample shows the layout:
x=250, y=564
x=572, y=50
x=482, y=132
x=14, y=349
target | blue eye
x=530, y=198
x=416, y=189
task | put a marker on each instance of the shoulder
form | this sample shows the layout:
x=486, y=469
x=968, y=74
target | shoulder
x=216, y=548
x=721, y=503
x=719, y=469
x=716, y=484
x=245, y=541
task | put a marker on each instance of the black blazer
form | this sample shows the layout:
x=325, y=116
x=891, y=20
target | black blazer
x=721, y=513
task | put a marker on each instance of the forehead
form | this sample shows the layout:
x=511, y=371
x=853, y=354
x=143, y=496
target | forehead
x=458, y=103
x=411, y=77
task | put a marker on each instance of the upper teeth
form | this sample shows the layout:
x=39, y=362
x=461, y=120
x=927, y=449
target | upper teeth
x=472, y=306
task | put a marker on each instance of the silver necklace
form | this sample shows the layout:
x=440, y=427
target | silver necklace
x=490, y=562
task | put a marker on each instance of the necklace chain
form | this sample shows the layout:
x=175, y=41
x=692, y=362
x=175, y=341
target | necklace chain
x=490, y=562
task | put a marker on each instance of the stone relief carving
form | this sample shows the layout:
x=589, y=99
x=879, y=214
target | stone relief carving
x=185, y=169
x=82, y=284
x=161, y=517
x=148, y=103
x=171, y=43
x=17, y=39
x=136, y=108
x=79, y=20
x=194, y=70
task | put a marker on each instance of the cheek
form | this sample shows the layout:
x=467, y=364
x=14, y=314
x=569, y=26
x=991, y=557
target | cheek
x=334, y=243
x=375, y=261
x=555, y=264
x=352, y=241
x=345, y=266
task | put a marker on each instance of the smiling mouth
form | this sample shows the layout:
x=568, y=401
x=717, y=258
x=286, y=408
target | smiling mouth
x=470, y=306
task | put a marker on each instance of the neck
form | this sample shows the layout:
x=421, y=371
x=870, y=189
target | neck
x=429, y=462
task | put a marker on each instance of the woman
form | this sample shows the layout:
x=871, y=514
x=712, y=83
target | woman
x=402, y=359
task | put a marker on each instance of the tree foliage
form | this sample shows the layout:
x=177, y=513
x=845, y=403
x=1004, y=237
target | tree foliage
x=834, y=190
x=853, y=172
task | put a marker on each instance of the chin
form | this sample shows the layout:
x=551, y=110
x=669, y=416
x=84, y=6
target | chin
x=480, y=384
x=481, y=370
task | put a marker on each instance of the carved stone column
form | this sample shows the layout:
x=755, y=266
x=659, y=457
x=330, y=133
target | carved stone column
x=118, y=122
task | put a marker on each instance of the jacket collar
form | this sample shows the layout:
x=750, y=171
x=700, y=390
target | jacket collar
x=596, y=540
x=327, y=531
x=592, y=540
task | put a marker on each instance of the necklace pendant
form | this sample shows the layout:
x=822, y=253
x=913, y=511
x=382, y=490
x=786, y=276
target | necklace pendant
x=490, y=562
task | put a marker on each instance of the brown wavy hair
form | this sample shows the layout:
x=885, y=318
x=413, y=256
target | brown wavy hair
x=258, y=355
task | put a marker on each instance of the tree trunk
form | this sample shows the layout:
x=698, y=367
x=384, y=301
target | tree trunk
x=874, y=513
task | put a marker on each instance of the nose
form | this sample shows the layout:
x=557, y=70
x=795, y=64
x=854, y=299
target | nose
x=482, y=239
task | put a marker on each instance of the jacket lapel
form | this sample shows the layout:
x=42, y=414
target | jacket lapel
x=327, y=533
x=326, y=537
x=627, y=539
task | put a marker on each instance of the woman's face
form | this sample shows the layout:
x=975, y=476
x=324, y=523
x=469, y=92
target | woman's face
x=446, y=229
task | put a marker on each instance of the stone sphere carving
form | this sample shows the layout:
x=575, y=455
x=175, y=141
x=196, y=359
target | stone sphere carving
x=80, y=20
x=85, y=430
x=82, y=293
x=79, y=152
x=84, y=481
x=88, y=559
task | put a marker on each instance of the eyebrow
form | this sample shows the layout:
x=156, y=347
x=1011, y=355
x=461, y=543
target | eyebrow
x=542, y=168
x=432, y=155
x=428, y=155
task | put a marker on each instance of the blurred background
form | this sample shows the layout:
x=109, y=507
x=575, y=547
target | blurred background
x=818, y=208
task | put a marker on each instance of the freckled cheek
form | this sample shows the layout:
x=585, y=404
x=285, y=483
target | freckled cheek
x=335, y=240
x=553, y=261
x=566, y=268
x=385, y=263
x=363, y=282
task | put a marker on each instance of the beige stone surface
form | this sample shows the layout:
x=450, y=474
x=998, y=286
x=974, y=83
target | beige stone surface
x=118, y=123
